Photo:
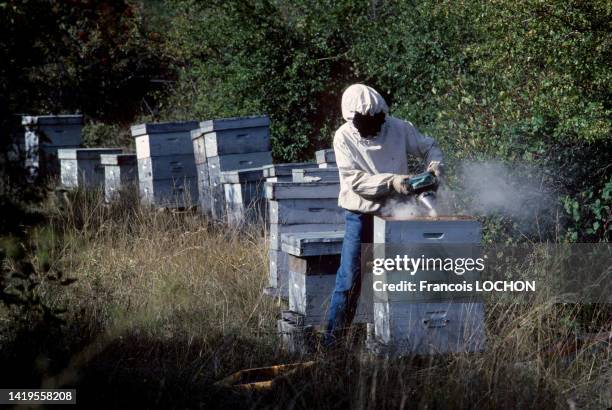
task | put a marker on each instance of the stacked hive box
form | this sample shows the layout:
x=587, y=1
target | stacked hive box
x=295, y=207
x=314, y=258
x=244, y=195
x=44, y=135
x=120, y=174
x=283, y=172
x=81, y=167
x=326, y=158
x=421, y=323
x=316, y=175
x=166, y=165
x=228, y=144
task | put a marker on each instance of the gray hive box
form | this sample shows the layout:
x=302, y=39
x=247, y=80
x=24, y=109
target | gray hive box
x=316, y=175
x=298, y=208
x=228, y=144
x=325, y=156
x=81, y=167
x=236, y=135
x=203, y=180
x=314, y=259
x=120, y=174
x=284, y=172
x=163, y=139
x=244, y=198
x=44, y=135
x=420, y=324
x=167, y=173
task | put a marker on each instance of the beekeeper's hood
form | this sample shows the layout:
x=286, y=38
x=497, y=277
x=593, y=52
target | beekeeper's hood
x=362, y=99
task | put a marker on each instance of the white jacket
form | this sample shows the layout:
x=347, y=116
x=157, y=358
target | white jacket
x=367, y=166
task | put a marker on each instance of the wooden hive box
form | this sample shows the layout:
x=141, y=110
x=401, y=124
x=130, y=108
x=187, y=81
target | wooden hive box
x=167, y=173
x=82, y=168
x=294, y=208
x=120, y=174
x=244, y=195
x=44, y=135
x=284, y=172
x=229, y=144
x=430, y=324
x=316, y=175
x=314, y=259
x=326, y=158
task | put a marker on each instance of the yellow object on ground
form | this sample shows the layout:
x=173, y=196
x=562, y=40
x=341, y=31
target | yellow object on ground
x=260, y=379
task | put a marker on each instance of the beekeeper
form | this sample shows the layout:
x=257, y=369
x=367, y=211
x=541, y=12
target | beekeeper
x=372, y=151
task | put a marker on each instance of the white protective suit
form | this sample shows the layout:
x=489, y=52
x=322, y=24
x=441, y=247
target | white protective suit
x=367, y=166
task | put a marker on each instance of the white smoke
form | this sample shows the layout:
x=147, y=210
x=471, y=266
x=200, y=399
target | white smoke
x=493, y=188
x=489, y=188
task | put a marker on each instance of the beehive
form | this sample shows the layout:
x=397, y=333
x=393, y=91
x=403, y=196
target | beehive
x=82, y=167
x=44, y=135
x=326, y=158
x=294, y=208
x=244, y=195
x=438, y=324
x=167, y=173
x=284, y=172
x=316, y=175
x=228, y=144
x=313, y=260
x=120, y=174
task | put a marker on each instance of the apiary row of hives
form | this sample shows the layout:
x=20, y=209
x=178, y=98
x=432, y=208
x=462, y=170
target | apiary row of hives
x=225, y=167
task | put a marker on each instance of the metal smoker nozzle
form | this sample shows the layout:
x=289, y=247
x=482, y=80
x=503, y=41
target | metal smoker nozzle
x=428, y=200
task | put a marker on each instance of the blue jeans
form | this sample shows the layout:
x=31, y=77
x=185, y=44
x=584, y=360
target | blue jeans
x=358, y=229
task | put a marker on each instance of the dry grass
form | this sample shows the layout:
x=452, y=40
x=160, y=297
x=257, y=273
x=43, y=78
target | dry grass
x=167, y=303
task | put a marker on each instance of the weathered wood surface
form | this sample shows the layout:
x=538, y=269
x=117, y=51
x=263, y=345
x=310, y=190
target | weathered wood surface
x=176, y=166
x=276, y=230
x=172, y=127
x=299, y=211
x=316, y=174
x=120, y=174
x=237, y=141
x=302, y=190
x=310, y=294
x=171, y=193
x=325, y=156
x=430, y=328
x=277, y=170
x=312, y=243
x=81, y=167
x=436, y=231
x=243, y=175
x=217, y=165
x=234, y=122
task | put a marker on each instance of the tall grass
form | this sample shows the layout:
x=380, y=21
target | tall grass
x=166, y=303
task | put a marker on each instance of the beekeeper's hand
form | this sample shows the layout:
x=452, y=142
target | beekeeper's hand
x=400, y=184
x=437, y=168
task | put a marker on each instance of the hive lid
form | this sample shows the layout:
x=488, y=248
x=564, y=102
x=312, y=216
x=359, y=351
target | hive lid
x=74, y=119
x=234, y=122
x=440, y=218
x=302, y=190
x=276, y=170
x=85, y=153
x=163, y=127
x=242, y=175
x=118, y=159
x=312, y=243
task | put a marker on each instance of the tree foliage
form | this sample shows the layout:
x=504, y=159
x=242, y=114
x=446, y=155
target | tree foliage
x=517, y=81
